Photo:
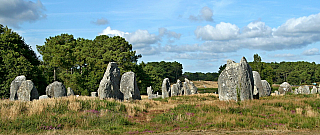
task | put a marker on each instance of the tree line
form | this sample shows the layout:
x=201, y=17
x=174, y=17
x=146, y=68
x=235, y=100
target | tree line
x=77, y=62
x=295, y=73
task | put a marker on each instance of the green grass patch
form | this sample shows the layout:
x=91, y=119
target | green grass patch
x=208, y=90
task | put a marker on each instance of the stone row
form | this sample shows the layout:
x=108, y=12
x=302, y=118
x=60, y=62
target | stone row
x=179, y=88
x=112, y=87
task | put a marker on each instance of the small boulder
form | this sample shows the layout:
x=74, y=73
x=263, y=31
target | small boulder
x=56, y=89
x=94, y=94
x=129, y=86
x=14, y=87
x=285, y=88
x=43, y=97
x=27, y=91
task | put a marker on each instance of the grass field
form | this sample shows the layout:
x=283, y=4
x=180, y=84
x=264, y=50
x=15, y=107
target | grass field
x=194, y=114
x=206, y=84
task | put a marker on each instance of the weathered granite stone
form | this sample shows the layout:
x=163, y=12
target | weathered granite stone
x=27, y=91
x=180, y=86
x=186, y=89
x=94, y=94
x=314, y=90
x=14, y=87
x=193, y=88
x=43, y=97
x=236, y=81
x=166, y=88
x=110, y=84
x=257, y=88
x=56, y=89
x=150, y=93
x=276, y=92
x=285, y=88
x=304, y=89
x=129, y=86
x=70, y=92
x=295, y=91
x=149, y=90
x=266, y=87
x=174, y=90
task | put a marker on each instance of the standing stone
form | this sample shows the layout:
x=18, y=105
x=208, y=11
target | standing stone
x=236, y=81
x=180, y=86
x=149, y=90
x=304, y=89
x=174, y=90
x=266, y=87
x=314, y=90
x=70, y=92
x=295, y=91
x=284, y=88
x=27, y=91
x=150, y=93
x=94, y=94
x=165, y=88
x=129, y=86
x=186, y=88
x=193, y=88
x=110, y=84
x=56, y=89
x=14, y=87
x=276, y=92
x=257, y=88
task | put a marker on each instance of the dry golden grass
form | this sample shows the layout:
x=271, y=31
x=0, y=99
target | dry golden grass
x=143, y=111
x=206, y=84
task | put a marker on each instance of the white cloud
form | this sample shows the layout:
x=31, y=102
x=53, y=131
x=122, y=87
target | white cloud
x=310, y=52
x=300, y=26
x=170, y=34
x=226, y=37
x=285, y=55
x=141, y=38
x=206, y=14
x=101, y=21
x=108, y=31
x=15, y=12
x=207, y=56
x=222, y=31
x=256, y=29
x=143, y=41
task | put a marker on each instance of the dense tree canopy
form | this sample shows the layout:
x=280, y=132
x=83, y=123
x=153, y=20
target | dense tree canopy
x=81, y=63
x=17, y=58
x=153, y=73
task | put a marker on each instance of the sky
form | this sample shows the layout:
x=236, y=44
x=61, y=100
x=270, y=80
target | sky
x=200, y=34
